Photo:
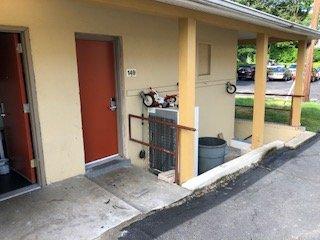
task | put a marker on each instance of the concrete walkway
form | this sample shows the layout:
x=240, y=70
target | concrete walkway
x=280, y=199
x=73, y=209
x=78, y=208
x=141, y=189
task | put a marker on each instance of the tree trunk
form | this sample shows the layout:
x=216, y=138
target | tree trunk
x=310, y=52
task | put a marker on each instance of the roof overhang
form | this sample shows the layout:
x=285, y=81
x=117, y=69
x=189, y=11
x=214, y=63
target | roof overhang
x=230, y=9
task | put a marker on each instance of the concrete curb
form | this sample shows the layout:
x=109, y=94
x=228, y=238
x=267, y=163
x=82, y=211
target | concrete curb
x=217, y=176
x=239, y=164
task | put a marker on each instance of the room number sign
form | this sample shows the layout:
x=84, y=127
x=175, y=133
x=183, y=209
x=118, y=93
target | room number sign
x=131, y=72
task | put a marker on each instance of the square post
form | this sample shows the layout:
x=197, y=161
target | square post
x=299, y=82
x=259, y=90
x=187, y=79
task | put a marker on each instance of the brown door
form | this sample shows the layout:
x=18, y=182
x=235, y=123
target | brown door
x=12, y=99
x=96, y=70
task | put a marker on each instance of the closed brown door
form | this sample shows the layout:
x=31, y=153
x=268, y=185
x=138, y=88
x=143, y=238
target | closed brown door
x=12, y=99
x=96, y=70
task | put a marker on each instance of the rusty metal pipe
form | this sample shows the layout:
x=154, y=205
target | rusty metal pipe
x=175, y=154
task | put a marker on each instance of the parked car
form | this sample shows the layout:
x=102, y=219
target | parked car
x=293, y=69
x=318, y=73
x=315, y=75
x=246, y=72
x=279, y=73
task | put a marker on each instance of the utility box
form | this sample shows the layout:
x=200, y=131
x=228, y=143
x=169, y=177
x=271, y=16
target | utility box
x=165, y=137
x=162, y=136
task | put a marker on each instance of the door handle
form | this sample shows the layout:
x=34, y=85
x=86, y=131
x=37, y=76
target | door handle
x=112, y=104
x=2, y=110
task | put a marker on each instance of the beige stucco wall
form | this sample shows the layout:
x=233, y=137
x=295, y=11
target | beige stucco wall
x=272, y=131
x=217, y=107
x=150, y=44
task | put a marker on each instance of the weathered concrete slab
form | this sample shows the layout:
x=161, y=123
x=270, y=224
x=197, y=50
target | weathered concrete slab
x=141, y=189
x=168, y=176
x=299, y=140
x=233, y=153
x=73, y=209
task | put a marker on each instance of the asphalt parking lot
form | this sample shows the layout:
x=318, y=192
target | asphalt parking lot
x=281, y=87
x=277, y=200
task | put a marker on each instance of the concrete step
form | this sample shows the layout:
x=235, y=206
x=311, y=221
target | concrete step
x=107, y=166
x=300, y=139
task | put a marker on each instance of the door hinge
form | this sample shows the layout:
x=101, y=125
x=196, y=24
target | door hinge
x=33, y=163
x=19, y=48
x=26, y=108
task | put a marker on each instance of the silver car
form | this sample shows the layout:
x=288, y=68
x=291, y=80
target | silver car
x=293, y=69
x=279, y=73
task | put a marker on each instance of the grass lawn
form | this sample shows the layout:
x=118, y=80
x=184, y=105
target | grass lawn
x=316, y=64
x=310, y=112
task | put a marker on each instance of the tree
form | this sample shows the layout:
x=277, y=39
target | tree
x=316, y=56
x=283, y=52
x=310, y=51
x=292, y=10
x=246, y=54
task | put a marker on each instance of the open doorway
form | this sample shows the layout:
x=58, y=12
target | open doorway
x=17, y=164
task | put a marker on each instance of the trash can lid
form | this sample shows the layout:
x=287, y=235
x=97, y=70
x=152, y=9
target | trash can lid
x=211, y=141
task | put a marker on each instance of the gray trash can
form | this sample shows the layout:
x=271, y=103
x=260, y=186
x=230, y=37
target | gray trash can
x=211, y=153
